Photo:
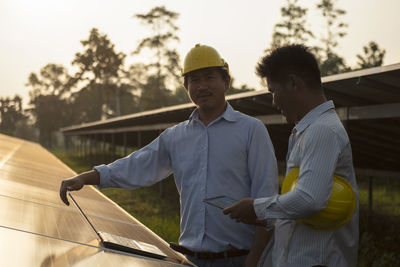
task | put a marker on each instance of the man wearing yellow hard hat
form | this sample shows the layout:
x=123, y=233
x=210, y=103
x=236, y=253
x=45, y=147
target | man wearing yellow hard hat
x=316, y=214
x=217, y=151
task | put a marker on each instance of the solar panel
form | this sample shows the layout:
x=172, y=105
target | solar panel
x=107, y=209
x=37, y=229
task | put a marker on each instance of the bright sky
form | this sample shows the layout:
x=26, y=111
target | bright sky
x=37, y=32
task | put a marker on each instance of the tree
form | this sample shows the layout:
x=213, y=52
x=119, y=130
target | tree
x=48, y=100
x=292, y=29
x=153, y=94
x=100, y=73
x=330, y=62
x=11, y=113
x=180, y=96
x=162, y=72
x=373, y=56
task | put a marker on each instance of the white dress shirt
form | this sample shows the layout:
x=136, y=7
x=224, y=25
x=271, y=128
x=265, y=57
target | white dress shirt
x=232, y=156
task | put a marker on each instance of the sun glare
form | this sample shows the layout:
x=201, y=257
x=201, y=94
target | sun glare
x=40, y=10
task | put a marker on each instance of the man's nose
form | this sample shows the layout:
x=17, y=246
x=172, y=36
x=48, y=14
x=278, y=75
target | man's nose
x=202, y=84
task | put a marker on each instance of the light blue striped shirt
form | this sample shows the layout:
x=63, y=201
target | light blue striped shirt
x=319, y=145
x=232, y=156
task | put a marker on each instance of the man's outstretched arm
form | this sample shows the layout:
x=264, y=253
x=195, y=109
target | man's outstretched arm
x=77, y=182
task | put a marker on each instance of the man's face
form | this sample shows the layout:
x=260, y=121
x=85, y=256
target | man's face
x=206, y=88
x=284, y=97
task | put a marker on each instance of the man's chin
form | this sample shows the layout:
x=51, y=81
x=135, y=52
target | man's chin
x=203, y=103
x=205, y=106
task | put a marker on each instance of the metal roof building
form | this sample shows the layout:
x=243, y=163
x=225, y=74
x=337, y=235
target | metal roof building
x=37, y=229
x=367, y=101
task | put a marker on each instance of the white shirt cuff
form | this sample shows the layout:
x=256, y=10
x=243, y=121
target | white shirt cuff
x=260, y=207
x=103, y=171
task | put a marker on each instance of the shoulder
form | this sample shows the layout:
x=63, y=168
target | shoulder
x=328, y=126
x=174, y=130
x=178, y=126
x=248, y=120
x=251, y=127
x=331, y=122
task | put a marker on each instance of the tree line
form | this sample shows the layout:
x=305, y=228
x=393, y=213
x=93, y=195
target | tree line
x=104, y=87
x=294, y=29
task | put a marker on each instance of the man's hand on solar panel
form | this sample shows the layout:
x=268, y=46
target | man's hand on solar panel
x=77, y=182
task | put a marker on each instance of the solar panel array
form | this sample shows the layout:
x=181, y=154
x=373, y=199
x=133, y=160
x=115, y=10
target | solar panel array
x=37, y=229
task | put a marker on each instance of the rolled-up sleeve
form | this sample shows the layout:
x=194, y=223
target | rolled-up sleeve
x=141, y=168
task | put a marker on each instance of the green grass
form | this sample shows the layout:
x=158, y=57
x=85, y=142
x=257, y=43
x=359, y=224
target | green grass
x=72, y=160
x=386, y=197
x=379, y=244
x=379, y=231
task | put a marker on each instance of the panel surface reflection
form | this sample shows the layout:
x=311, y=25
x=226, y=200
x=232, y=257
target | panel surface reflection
x=37, y=229
x=25, y=249
x=42, y=219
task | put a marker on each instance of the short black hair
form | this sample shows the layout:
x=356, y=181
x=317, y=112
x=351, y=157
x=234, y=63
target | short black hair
x=290, y=59
x=224, y=74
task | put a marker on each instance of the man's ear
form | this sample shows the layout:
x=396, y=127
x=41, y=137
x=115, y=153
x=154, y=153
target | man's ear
x=185, y=85
x=227, y=83
x=296, y=82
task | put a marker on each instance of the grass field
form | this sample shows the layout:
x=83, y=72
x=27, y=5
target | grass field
x=386, y=194
x=379, y=244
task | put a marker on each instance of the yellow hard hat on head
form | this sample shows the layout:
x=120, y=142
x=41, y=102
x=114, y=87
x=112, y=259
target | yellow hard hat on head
x=202, y=56
x=340, y=208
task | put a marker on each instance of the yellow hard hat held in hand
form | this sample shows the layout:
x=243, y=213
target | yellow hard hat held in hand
x=203, y=56
x=339, y=210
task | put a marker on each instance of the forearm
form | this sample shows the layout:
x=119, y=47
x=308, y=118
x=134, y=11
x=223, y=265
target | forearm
x=77, y=182
x=90, y=177
x=144, y=167
x=261, y=239
x=292, y=205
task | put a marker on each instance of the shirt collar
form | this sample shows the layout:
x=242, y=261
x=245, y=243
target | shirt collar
x=229, y=114
x=313, y=115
